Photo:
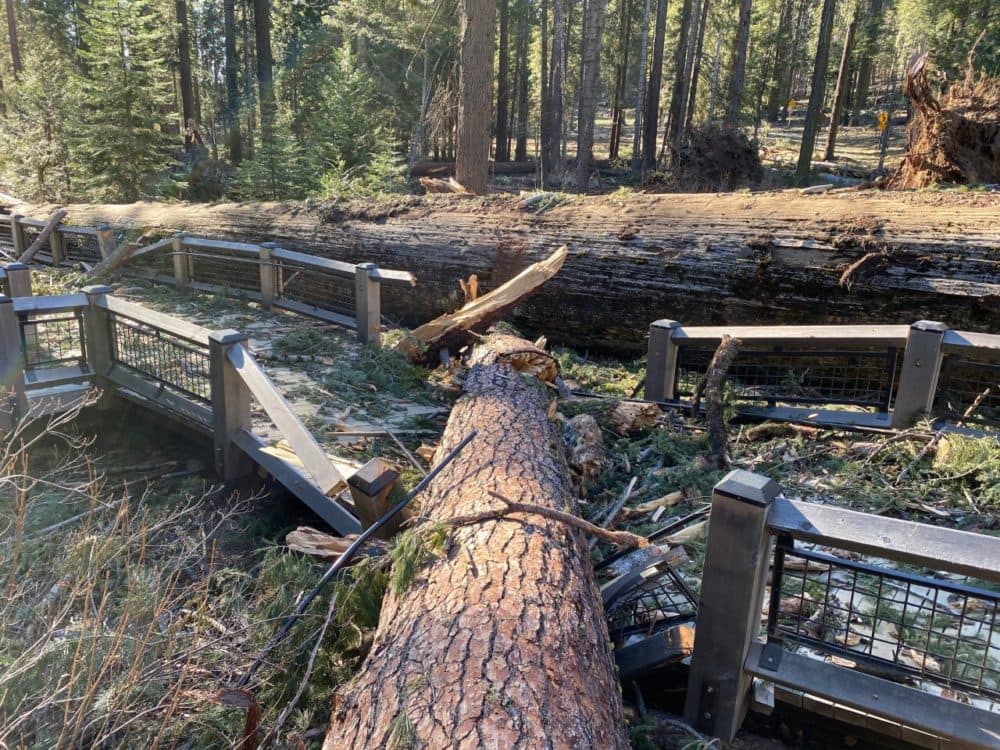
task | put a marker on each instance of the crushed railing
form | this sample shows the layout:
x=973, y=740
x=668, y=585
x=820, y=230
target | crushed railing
x=873, y=376
x=67, y=243
x=887, y=624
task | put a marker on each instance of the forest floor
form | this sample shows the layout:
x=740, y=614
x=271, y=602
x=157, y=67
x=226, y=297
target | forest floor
x=151, y=589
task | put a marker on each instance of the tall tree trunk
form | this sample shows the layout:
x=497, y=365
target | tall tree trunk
x=523, y=73
x=782, y=59
x=500, y=640
x=15, y=47
x=502, y=151
x=871, y=30
x=842, y=85
x=590, y=69
x=678, y=97
x=621, y=74
x=640, y=88
x=817, y=93
x=713, y=94
x=652, y=109
x=739, y=65
x=544, y=109
x=233, y=140
x=475, y=88
x=265, y=73
x=184, y=63
x=803, y=27
x=696, y=67
x=553, y=154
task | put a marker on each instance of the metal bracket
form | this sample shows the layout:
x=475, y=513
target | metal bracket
x=708, y=704
x=770, y=657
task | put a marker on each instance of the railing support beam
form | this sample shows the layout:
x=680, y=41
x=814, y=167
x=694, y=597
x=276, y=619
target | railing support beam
x=737, y=556
x=12, y=363
x=106, y=241
x=19, y=279
x=57, y=247
x=97, y=328
x=661, y=361
x=17, y=235
x=182, y=269
x=268, y=277
x=368, y=303
x=230, y=406
x=919, y=375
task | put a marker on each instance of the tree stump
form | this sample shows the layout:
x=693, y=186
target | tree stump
x=500, y=641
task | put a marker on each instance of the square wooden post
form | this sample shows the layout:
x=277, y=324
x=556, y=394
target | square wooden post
x=19, y=279
x=100, y=356
x=106, y=241
x=371, y=488
x=268, y=278
x=12, y=361
x=737, y=557
x=661, y=361
x=57, y=246
x=17, y=235
x=182, y=269
x=367, y=301
x=230, y=405
x=919, y=376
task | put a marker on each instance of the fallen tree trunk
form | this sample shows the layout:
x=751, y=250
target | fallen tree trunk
x=500, y=640
x=700, y=259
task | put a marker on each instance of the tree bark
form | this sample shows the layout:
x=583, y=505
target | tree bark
x=652, y=108
x=15, y=47
x=552, y=151
x=500, y=641
x=678, y=96
x=842, y=86
x=590, y=70
x=782, y=59
x=184, y=63
x=233, y=139
x=502, y=152
x=523, y=73
x=265, y=73
x=739, y=65
x=475, y=89
x=639, y=90
x=869, y=35
x=621, y=75
x=766, y=258
x=817, y=92
x=696, y=67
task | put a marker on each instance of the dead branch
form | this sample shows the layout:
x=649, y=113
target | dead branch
x=714, y=380
x=43, y=236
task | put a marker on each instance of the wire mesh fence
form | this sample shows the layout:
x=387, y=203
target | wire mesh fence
x=224, y=269
x=53, y=340
x=846, y=377
x=167, y=359
x=962, y=383
x=887, y=621
x=659, y=601
x=6, y=236
x=312, y=286
x=81, y=247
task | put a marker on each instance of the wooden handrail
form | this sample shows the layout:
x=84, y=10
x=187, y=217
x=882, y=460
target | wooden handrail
x=802, y=335
x=323, y=264
x=173, y=326
x=200, y=243
x=60, y=303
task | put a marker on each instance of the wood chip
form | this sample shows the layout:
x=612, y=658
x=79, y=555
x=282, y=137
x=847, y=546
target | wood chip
x=629, y=417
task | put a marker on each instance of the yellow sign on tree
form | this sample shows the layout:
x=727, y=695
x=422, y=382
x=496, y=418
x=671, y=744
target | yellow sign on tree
x=883, y=121
x=791, y=104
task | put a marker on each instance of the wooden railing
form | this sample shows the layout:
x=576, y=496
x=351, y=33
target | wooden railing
x=851, y=631
x=341, y=293
x=67, y=243
x=55, y=351
x=873, y=376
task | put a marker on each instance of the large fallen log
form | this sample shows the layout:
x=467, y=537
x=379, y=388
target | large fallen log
x=500, y=640
x=701, y=259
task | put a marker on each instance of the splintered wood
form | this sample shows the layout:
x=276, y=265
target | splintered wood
x=500, y=640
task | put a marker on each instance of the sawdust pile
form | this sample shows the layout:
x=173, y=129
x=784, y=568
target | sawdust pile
x=954, y=139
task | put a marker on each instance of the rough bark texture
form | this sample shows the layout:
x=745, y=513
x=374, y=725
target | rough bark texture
x=817, y=92
x=184, y=63
x=651, y=112
x=590, y=64
x=475, y=93
x=499, y=642
x=843, y=83
x=739, y=65
x=699, y=259
x=233, y=140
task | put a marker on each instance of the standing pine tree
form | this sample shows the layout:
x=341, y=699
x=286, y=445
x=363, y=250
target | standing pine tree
x=125, y=100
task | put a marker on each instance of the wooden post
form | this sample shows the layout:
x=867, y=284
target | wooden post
x=182, y=269
x=661, y=361
x=19, y=279
x=230, y=405
x=268, y=277
x=106, y=241
x=919, y=375
x=737, y=556
x=97, y=328
x=12, y=361
x=17, y=235
x=367, y=301
x=371, y=487
x=57, y=246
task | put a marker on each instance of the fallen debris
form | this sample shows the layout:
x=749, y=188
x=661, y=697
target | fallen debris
x=630, y=417
x=585, y=453
x=43, y=236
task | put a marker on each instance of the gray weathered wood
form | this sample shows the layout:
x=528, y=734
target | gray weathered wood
x=918, y=544
x=667, y=646
x=106, y=241
x=57, y=246
x=58, y=303
x=919, y=375
x=230, y=404
x=156, y=246
x=371, y=488
x=18, y=279
x=51, y=376
x=17, y=234
x=182, y=265
x=299, y=484
x=164, y=322
x=367, y=303
x=661, y=361
x=97, y=328
x=43, y=237
x=268, y=276
x=732, y=591
x=154, y=395
x=202, y=243
x=316, y=312
x=310, y=452
x=817, y=336
x=966, y=726
x=325, y=264
x=12, y=358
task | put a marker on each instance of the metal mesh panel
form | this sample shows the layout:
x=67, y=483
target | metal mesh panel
x=30, y=234
x=225, y=269
x=5, y=285
x=312, y=286
x=855, y=377
x=53, y=340
x=659, y=601
x=81, y=247
x=887, y=621
x=166, y=359
x=959, y=385
x=6, y=237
